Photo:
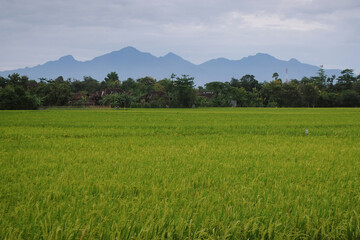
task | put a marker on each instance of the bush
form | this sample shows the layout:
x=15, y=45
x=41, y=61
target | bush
x=122, y=100
x=16, y=98
x=135, y=105
x=272, y=104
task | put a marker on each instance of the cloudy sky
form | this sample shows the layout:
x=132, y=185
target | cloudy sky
x=318, y=32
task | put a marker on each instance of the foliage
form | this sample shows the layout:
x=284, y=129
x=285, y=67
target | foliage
x=15, y=98
x=112, y=80
x=122, y=100
x=346, y=80
x=129, y=85
x=90, y=85
x=55, y=92
x=249, y=83
x=146, y=84
x=315, y=91
x=14, y=94
x=275, y=76
x=273, y=93
x=184, y=91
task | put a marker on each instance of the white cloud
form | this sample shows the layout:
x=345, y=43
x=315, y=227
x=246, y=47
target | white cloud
x=264, y=21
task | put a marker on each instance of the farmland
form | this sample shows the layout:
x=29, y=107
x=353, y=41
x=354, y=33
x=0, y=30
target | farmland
x=240, y=173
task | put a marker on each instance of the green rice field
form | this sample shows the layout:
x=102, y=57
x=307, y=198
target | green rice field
x=211, y=173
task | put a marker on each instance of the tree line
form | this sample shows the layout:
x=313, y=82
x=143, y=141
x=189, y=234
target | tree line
x=19, y=92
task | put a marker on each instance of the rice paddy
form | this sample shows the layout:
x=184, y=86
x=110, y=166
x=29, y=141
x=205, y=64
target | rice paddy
x=211, y=173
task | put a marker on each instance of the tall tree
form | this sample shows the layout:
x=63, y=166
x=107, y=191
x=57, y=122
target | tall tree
x=310, y=94
x=90, y=84
x=112, y=80
x=222, y=93
x=320, y=79
x=3, y=82
x=129, y=85
x=55, y=92
x=273, y=93
x=291, y=95
x=146, y=84
x=249, y=83
x=346, y=79
x=235, y=83
x=275, y=76
x=14, y=94
x=185, y=94
x=168, y=86
x=16, y=80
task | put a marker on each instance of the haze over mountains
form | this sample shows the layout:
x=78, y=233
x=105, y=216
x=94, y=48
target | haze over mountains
x=130, y=62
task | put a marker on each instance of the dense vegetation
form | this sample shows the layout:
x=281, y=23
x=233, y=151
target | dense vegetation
x=207, y=173
x=18, y=92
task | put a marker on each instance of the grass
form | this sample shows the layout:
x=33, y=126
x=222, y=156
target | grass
x=217, y=173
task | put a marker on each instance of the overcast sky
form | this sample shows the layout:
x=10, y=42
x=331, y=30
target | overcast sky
x=318, y=32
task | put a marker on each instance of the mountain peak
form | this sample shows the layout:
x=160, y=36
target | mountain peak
x=170, y=54
x=259, y=58
x=126, y=50
x=129, y=49
x=294, y=60
x=123, y=55
x=264, y=56
x=67, y=58
x=220, y=60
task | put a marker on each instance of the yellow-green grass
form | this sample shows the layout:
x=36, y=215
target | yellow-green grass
x=220, y=173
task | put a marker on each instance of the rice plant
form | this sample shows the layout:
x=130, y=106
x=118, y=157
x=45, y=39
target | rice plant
x=212, y=173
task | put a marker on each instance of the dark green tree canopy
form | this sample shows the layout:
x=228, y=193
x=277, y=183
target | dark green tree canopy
x=184, y=87
x=346, y=80
x=19, y=92
x=112, y=80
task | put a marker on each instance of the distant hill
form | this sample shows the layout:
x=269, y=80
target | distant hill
x=130, y=62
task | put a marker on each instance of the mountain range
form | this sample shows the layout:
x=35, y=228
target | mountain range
x=130, y=62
